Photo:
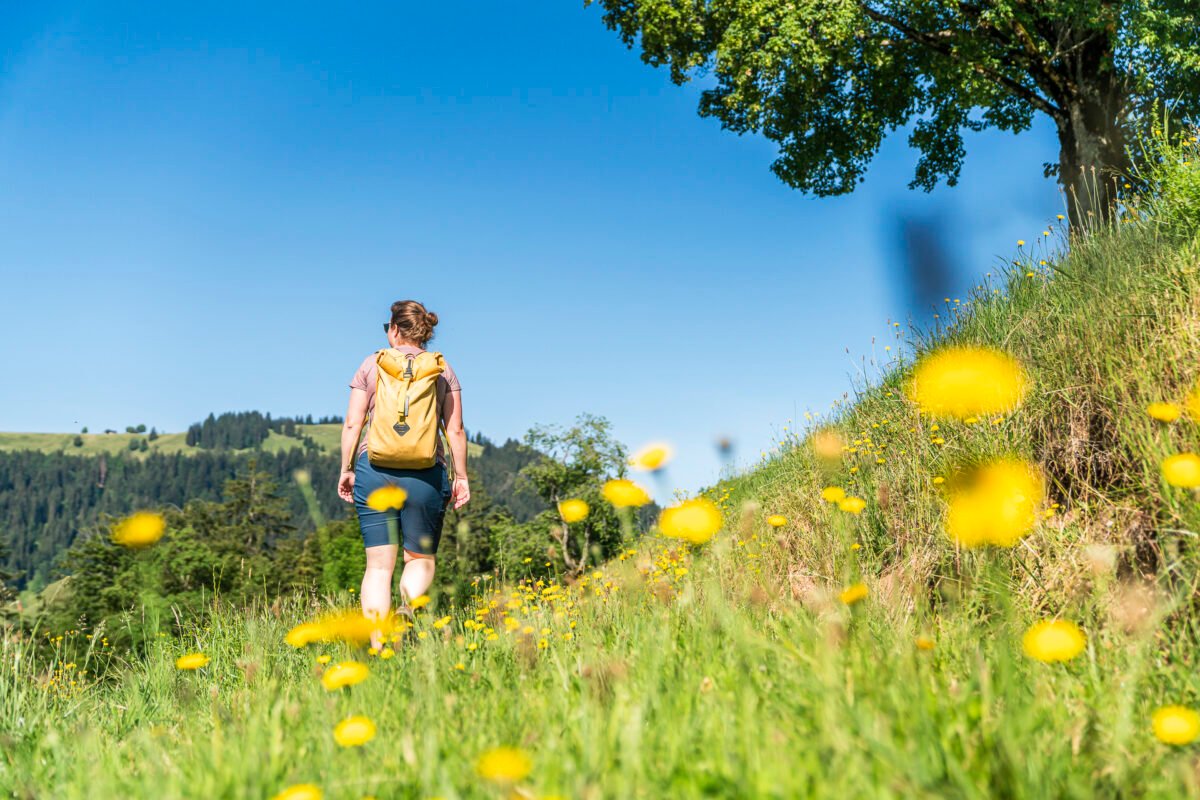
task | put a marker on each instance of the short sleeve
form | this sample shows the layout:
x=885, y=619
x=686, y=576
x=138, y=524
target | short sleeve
x=363, y=374
x=452, y=384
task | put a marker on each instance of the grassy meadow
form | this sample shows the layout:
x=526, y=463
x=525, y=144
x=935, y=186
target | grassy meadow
x=809, y=649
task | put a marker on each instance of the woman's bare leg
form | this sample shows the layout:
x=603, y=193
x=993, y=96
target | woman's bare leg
x=376, y=591
x=417, y=575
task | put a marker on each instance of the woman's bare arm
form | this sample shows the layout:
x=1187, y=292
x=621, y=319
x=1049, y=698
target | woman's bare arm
x=452, y=418
x=356, y=414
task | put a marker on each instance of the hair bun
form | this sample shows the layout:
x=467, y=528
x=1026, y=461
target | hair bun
x=431, y=318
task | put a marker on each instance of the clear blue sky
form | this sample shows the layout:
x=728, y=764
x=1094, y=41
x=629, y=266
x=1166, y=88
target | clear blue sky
x=209, y=207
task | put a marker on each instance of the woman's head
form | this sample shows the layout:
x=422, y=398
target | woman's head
x=411, y=323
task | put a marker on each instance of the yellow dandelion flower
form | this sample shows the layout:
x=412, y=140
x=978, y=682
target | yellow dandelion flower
x=504, y=765
x=652, y=457
x=938, y=480
x=573, y=510
x=323, y=658
x=624, y=494
x=387, y=497
x=777, y=520
x=924, y=643
x=964, y=382
x=1054, y=640
x=833, y=494
x=1182, y=469
x=419, y=602
x=354, y=731
x=694, y=520
x=346, y=673
x=300, y=791
x=304, y=633
x=388, y=652
x=1164, y=412
x=139, y=530
x=191, y=661
x=1176, y=725
x=856, y=547
x=852, y=505
x=853, y=593
x=441, y=623
x=998, y=506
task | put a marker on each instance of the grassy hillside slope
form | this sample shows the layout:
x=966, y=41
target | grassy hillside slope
x=742, y=667
x=328, y=437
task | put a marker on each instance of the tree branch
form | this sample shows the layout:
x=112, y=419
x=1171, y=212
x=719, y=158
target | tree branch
x=938, y=44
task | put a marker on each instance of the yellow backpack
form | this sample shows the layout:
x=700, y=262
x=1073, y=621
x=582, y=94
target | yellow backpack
x=403, y=431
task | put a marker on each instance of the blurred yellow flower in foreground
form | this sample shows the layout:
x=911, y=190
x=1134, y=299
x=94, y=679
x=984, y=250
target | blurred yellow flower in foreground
x=853, y=593
x=386, y=497
x=1182, y=469
x=833, y=494
x=419, y=602
x=573, y=510
x=1164, y=412
x=998, y=506
x=852, y=505
x=301, y=791
x=354, y=731
x=1054, y=640
x=924, y=643
x=964, y=382
x=694, y=520
x=344, y=626
x=777, y=520
x=623, y=493
x=1176, y=725
x=504, y=765
x=304, y=633
x=139, y=530
x=191, y=661
x=346, y=673
x=827, y=444
x=651, y=457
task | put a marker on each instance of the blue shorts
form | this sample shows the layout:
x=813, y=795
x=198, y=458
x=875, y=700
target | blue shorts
x=419, y=523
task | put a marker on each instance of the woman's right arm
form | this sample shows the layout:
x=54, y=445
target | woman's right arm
x=356, y=414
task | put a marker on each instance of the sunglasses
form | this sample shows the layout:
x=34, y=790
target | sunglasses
x=387, y=326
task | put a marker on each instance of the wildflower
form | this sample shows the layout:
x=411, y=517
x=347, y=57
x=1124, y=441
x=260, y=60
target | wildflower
x=624, y=493
x=833, y=494
x=856, y=547
x=191, y=661
x=777, y=520
x=419, y=602
x=300, y=791
x=441, y=623
x=139, y=530
x=323, y=658
x=998, y=508
x=304, y=633
x=346, y=673
x=924, y=643
x=386, y=497
x=965, y=382
x=388, y=652
x=938, y=480
x=694, y=520
x=853, y=593
x=1053, y=640
x=827, y=444
x=852, y=505
x=652, y=457
x=573, y=510
x=1176, y=725
x=354, y=731
x=1182, y=469
x=504, y=765
x=1164, y=412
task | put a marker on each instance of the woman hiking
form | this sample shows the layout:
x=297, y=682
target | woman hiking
x=404, y=394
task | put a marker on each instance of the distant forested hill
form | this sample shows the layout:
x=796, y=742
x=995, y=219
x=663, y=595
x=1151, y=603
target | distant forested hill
x=55, y=486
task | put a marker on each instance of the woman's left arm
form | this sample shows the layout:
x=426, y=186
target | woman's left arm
x=452, y=418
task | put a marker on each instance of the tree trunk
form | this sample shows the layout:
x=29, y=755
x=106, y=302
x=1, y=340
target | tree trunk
x=1092, y=156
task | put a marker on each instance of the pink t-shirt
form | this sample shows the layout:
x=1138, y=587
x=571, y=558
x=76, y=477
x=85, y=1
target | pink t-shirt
x=365, y=377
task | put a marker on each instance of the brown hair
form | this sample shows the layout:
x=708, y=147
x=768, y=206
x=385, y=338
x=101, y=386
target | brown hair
x=414, y=322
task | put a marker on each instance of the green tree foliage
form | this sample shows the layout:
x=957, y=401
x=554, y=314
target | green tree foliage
x=575, y=463
x=826, y=80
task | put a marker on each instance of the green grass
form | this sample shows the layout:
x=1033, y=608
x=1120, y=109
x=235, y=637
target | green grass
x=732, y=669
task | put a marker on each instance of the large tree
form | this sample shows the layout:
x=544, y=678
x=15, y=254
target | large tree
x=828, y=79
